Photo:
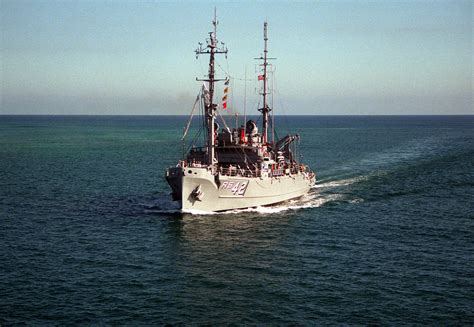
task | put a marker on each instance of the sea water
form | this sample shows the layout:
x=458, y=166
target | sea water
x=89, y=234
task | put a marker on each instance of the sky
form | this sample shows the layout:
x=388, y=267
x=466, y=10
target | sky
x=333, y=57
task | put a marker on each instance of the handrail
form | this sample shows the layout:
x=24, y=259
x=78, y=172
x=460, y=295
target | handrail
x=246, y=172
x=234, y=171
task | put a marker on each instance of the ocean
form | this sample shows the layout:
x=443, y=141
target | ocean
x=90, y=236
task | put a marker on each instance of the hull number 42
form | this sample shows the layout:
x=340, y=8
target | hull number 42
x=235, y=187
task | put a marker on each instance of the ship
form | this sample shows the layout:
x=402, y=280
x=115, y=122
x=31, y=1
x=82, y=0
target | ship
x=237, y=168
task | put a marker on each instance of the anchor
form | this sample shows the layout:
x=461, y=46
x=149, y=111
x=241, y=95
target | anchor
x=197, y=193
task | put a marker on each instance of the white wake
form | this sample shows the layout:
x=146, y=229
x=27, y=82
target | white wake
x=322, y=193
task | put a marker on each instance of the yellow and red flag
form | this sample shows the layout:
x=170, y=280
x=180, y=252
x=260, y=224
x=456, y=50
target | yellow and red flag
x=224, y=98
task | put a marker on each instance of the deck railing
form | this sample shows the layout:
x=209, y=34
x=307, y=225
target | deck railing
x=247, y=172
x=234, y=171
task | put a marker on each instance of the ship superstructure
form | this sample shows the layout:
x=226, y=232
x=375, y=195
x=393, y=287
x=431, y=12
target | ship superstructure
x=237, y=167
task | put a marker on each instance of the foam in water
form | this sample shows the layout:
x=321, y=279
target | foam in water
x=311, y=200
x=337, y=183
x=408, y=152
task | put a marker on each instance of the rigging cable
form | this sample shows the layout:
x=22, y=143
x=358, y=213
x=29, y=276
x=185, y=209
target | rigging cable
x=282, y=107
x=190, y=117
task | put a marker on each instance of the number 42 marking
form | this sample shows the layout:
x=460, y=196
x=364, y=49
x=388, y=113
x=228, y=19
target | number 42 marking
x=237, y=188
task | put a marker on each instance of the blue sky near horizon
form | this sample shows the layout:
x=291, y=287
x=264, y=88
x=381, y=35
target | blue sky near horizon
x=334, y=57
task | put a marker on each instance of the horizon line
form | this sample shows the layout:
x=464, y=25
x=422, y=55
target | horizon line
x=240, y=115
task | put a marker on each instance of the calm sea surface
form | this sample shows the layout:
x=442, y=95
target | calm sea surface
x=90, y=236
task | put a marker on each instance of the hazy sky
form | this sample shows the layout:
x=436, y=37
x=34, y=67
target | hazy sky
x=333, y=57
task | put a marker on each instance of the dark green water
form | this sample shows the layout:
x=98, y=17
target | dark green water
x=89, y=235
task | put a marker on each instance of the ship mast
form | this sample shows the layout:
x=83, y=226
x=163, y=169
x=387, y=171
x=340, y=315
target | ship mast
x=265, y=109
x=210, y=107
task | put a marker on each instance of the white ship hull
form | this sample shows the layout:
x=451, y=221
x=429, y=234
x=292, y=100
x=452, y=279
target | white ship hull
x=198, y=189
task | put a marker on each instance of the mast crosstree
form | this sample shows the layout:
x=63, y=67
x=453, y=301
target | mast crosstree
x=212, y=48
